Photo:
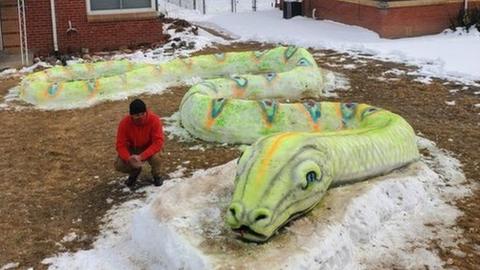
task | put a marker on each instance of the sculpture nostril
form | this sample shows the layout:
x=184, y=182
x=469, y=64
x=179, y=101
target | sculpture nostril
x=260, y=217
x=235, y=212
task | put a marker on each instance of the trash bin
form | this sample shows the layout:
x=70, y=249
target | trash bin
x=292, y=9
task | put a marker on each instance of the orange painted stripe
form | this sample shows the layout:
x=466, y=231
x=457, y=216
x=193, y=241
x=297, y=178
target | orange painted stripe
x=95, y=89
x=237, y=92
x=266, y=123
x=209, y=121
x=338, y=111
x=315, y=126
x=268, y=156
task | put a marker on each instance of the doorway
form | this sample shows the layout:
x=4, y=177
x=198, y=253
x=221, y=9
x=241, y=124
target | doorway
x=9, y=30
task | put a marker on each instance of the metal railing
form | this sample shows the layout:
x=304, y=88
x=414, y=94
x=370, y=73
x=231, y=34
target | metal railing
x=221, y=6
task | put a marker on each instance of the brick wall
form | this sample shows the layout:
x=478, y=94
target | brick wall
x=391, y=22
x=95, y=36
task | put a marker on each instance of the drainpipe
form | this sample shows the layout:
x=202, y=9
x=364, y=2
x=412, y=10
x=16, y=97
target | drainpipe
x=466, y=5
x=54, y=25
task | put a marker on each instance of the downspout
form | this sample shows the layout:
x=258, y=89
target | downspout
x=54, y=25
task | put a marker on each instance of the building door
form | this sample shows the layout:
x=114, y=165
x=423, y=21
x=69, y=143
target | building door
x=9, y=30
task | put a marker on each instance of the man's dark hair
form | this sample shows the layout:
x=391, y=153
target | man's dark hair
x=137, y=106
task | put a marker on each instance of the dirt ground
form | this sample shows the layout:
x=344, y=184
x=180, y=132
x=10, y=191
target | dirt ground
x=57, y=166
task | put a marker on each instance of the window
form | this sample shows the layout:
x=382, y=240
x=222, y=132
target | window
x=119, y=6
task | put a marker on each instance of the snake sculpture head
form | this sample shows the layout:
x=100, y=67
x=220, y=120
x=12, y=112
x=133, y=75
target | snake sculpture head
x=278, y=178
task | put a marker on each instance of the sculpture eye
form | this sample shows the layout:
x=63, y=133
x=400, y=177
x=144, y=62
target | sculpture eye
x=311, y=176
x=307, y=173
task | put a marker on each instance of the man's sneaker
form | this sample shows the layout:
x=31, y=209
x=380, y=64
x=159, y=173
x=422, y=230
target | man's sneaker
x=157, y=181
x=132, y=178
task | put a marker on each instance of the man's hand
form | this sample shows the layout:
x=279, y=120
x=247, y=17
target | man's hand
x=135, y=161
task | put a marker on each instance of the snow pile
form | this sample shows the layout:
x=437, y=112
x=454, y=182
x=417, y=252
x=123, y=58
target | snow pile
x=384, y=222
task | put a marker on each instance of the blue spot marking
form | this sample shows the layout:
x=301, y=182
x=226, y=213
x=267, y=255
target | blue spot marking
x=91, y=85
x=241, y=81
x=314, y=109
x=269, y=107
x=348, y=112
x=217, y=106
x=52, y=90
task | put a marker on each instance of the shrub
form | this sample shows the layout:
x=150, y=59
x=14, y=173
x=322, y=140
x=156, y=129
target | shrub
x=466, y=19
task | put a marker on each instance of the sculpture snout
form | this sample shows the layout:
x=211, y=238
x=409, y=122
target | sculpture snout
x=239, y=215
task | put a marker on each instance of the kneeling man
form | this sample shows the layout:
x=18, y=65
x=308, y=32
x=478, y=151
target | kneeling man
x=139, y=139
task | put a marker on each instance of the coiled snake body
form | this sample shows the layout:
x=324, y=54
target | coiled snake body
x=299, y=149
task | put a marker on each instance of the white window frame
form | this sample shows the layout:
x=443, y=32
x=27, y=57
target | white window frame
x=120, y=11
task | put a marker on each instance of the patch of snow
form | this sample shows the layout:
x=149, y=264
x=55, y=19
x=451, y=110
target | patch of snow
x=450, y=103
x=8, y=72
x=69, y=237
x=334, y=81
x=349, y=66
x=179, y=172
x=10, y=265
x=424, y=80
x=395, y=71
x=197, y=147
x=172, y=127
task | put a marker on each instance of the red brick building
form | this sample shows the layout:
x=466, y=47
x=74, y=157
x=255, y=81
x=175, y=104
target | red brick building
x=44, y=26
x=390, y=19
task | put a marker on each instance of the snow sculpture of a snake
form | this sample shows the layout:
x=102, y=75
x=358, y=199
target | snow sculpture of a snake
x=299, y=150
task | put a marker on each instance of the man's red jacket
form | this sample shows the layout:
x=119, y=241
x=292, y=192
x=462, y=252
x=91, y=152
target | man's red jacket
x=148, y=135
